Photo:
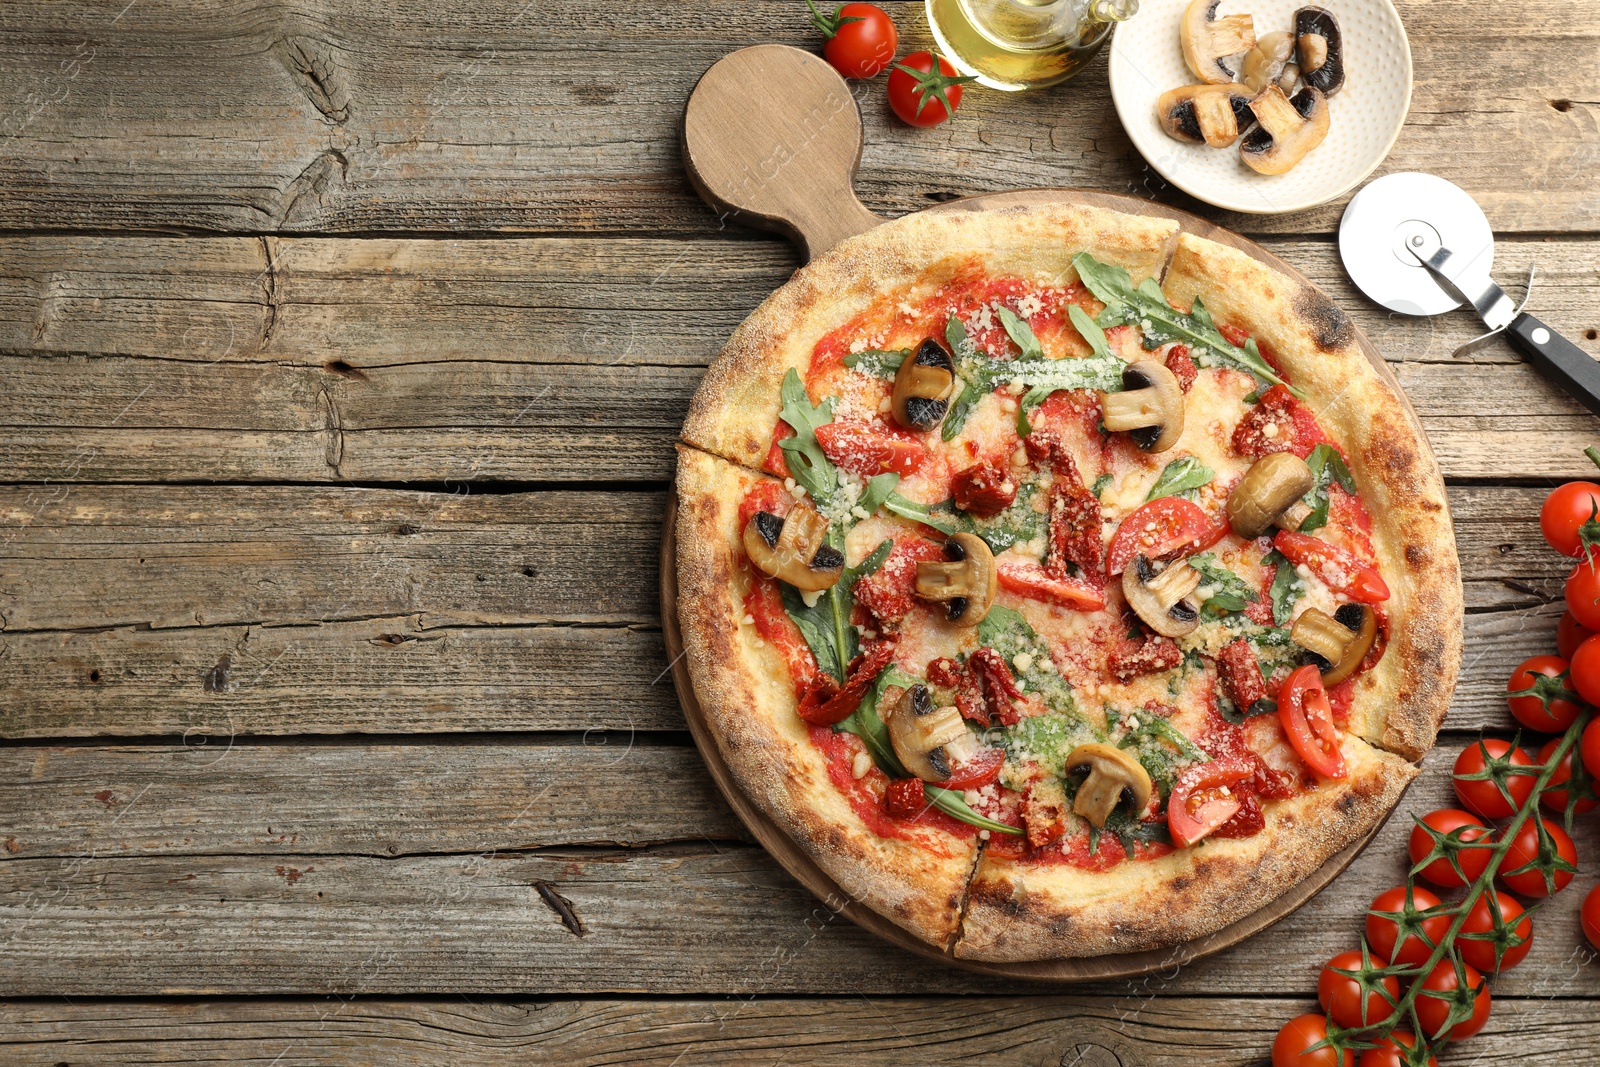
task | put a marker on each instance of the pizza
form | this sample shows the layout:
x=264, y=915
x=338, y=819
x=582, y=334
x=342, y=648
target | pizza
x=1061, y=582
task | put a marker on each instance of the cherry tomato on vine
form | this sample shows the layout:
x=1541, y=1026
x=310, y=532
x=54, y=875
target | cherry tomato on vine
x=1299, y=1034
x=1591, y=916
x=1570, y=633
x=1480, y=920
x=861, y=39
x=1525, y=849
x=1472, y=860
x=1432, y=1012
x=1583, y=593
x=1540, y=694
x=921, y=95
x=1589, y=748
x=1556, y=799
x=1585, y=673
x=1390, y=1051
x=1381, y=932
x=1341, y=997
x=1567, y=518
x=1483, y=795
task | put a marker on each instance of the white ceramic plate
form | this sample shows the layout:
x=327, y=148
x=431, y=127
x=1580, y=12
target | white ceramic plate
x=1366, y=115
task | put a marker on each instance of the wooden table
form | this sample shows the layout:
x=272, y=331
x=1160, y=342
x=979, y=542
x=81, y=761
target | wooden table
x=343, y=348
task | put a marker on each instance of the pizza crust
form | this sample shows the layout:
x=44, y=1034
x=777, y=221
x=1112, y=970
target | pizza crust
x=1401, y=702
x=1021, y=911
x=743, y=689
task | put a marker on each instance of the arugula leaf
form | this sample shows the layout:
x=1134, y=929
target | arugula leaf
x=1129, y=829
x=1008, y=633
x=869, y=565
x=1100, y=484
x=817, y=625
x=1090, y=330
x=867, y=724
x=1146, y=307
x=1155, y=727
x=910, y=509
x=1032, y=399
x=1327, y=466
x=1180, y=476
x=1286, y=586
x=877, y=362
x=980, y=374
x=1232, y=592
x=951, y=802
x=807, y=463
x=879, y=488
x=1021, y=334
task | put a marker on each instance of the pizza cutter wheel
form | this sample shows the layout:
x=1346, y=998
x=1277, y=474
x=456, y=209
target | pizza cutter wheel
x=1419, y=245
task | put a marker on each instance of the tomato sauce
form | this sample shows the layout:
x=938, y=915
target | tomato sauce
x=865, y=795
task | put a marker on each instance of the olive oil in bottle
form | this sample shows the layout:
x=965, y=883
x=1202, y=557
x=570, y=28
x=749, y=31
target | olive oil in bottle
x=1024, y=44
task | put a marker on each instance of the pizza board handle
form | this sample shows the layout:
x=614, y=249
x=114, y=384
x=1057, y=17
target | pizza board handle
x=772, y=138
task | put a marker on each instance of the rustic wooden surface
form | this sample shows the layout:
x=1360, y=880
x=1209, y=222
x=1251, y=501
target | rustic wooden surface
x=342, y=346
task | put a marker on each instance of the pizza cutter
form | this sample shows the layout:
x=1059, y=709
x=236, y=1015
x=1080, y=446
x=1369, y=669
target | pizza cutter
x=1420, y=245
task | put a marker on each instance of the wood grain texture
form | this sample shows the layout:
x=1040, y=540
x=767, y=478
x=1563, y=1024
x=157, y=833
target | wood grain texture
x=365, y=117
x=1078, y=1031
x=702, y=916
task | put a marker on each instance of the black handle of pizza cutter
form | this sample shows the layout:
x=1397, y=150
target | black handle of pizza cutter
x=1558, y=359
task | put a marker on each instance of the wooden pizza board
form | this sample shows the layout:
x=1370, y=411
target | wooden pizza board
x=772, y=138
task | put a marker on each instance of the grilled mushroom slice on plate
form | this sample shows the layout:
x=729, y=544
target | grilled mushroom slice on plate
x=1160, y=595
x=793, y=548
x=1112, y=773
x=1336, y=643
x=1208, y=114
x=966, y=581
x=1288, y=129
x=1269, y=493
x=1319, y=48
x=1149, y=407
x=1207, y=40
x=930, y=741
x=922, y=387
x=1265, y=63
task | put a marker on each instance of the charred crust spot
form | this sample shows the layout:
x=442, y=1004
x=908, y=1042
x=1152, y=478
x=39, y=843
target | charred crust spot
x=1329, y=327
x=1416, y=555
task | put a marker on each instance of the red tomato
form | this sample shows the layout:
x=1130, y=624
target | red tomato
x=1540, y=695
x=1591, y=916
x=1341, y=995
x=1030, y=580
x=1197, y=806
x=1342, y=571
x=1381, y=932
x=1480, y=920
x=1556, y=799
x=1525, y=849
x=1158, y=528
x=919, y=95
x=1590, y=748
x=1583, y=593
x=1472, y=860
x=1299, y=1034
x=1567, y=518
x=1390, y=1052
x=1585, y=673
x=1570, y=633
x=868, y=449
x=1432, y=1011
x=1483, y=795
x=977, y=772
x=905, y=798
x=1307, y=720
x=861, y=39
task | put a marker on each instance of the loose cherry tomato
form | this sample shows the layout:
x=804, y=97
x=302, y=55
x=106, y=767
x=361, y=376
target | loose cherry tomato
x=1472, y=860
x=1030, y=580
x=1525, y=849
x=1391, y=1052
x=1583, y=593
x=1299, y=1034
x=1307, y=720
x=977, y=772
x=1585, y=672
x=861, y=39
x=1432, y=1012
x=1340, y=570
x=1591, y=916
x=1157, y=529
x=1540, y=694
x=1341, y=995
x=868, y=448
x=1483, y=795
x=1590, y=748
x=1567, y=518
x=921, y=96
x=1381, y=932
x=1197, y=805
x=1570, y=633
x=1556, y=799
x=1480, y=920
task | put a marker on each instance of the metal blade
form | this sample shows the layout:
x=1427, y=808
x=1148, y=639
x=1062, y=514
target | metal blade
x=1471, y=283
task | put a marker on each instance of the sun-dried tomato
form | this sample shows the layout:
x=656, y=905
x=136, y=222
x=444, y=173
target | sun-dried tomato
x=1044, y=810
x=890, y=591
x=1132, y=658
x=1241, y=674
x=1182, y=367
x=905, y=798
x=1074, y=531
x=1248, y=821
x=984, y=489
x=1269, y=427
x=863, y=671
x=988, y=668
x=946, y=673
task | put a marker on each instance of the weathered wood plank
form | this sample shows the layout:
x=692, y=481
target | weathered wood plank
x=444, y=119
x=1041, y=1029
x=685, y=919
